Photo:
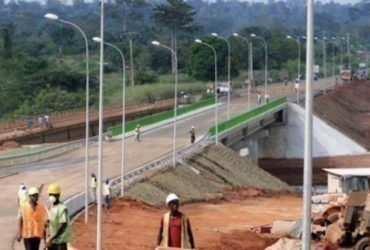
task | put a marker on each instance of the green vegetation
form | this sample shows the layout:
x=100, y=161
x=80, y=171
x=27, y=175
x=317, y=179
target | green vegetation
x=148, y=120
x=245, y=117
x=49, y=57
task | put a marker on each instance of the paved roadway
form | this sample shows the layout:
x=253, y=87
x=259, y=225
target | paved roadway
x=68, y=169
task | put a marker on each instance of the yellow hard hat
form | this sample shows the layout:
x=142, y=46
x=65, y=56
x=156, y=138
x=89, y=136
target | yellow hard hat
x=54, y=189
x=33, y=190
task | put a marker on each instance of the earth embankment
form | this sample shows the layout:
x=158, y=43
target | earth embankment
x=225, y=195
x=347, y=108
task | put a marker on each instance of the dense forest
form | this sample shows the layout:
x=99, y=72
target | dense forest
x=42, y=62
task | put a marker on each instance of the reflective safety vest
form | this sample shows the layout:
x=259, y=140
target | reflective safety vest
x=185, y=243
x=33, y=221
x=94, y=183
x=54, y=224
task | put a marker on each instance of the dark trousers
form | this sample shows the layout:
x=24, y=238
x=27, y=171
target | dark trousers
x=107, y=201
x=62, y=246
x=31, y=243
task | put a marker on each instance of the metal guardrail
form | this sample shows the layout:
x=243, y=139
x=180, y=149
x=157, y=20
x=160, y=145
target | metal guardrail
x=45, y=153
x=76, y=203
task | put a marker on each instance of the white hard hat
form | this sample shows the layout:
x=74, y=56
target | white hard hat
x=171, y=197
x=192, y=126
x=33, y=190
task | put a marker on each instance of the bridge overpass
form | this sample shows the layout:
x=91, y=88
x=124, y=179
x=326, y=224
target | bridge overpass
x=68, y=169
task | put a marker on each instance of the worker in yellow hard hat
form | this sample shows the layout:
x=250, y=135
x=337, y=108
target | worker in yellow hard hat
x=32, y=217
x=59, y=230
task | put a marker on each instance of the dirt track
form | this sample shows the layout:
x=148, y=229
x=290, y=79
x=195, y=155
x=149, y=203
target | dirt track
x=291, y=170
x=223, y=225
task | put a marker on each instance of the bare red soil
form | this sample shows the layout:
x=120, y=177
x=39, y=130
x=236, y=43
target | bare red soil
x=221, y=225
x=347, y=108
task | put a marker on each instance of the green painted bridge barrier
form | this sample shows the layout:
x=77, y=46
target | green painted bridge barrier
x=148, y=120
x=224, y=126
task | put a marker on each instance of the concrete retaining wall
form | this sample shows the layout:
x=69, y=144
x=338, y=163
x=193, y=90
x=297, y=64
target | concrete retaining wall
x=287, y=141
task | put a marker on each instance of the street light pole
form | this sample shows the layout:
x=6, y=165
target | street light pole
x=99, y=243
x=56, y=18
x=333, y=54
x=250, y=64
x=156, y=43
x=299, y=64
x=324, y=59
x=307, y=181
x=130, y=36
x=266, y=58
x=98, y=40
x=216, y=97
x=228, y=71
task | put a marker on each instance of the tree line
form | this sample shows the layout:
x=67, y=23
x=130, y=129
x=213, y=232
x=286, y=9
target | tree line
x=41, y=63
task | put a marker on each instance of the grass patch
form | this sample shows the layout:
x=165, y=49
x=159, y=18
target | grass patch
x=246, y=116
x=117, y=130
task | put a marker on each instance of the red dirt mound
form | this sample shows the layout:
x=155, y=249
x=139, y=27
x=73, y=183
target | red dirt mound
x=134, y=225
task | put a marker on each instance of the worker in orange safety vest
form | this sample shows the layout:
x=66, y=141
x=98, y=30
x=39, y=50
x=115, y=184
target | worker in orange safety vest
x=32, y=220
x=175, y=230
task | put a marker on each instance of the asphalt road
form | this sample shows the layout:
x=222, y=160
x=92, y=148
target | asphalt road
x=68, y=169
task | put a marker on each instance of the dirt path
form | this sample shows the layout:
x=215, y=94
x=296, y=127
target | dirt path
x=291, y=170
x=223, y=225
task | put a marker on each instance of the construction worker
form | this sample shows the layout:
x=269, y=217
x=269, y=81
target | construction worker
x=192, y=134
x=93, y=185
x=175, y=230
x=59, y=230
x=259, y=97
x=22, y=195
x=32, y=220
x=137, y=133
x=106, y=193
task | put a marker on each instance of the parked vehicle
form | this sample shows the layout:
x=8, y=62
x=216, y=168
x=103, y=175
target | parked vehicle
x=224, y=88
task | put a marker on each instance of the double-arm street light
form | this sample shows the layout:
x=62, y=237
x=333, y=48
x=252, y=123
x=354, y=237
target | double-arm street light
x=156, y=43
x=250, y=63
x=266, y=58
x=98, y=40
x=54, y=17
x=299, y=63
x=228, y=71
x=215, y=89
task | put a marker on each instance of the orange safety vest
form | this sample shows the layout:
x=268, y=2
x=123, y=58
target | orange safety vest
x=33, y=221
x=185, y=243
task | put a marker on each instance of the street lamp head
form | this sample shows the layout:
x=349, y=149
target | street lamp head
x=51, y=16
x=304, y=37
x=156, y=43
x=289, y=37
x=214, y=34
x=235, y=34
x=324, y=38
x=253, y=35
x=96, y=39
x=198, y=41
x=333, y=38
x=316, y=38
